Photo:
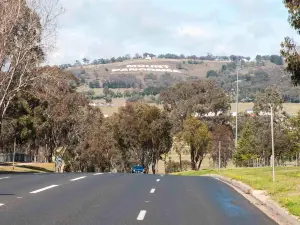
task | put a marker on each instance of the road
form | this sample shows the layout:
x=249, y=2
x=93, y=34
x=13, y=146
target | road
x=113, y=199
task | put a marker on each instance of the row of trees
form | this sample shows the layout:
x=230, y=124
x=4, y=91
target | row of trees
x=191, y=59
x=254, y=145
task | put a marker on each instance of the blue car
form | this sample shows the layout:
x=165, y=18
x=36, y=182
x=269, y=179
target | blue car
x=137, y=169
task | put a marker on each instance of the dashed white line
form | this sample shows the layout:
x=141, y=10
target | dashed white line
x=141, y=215
x=3, y=178
x=152, y=191
x=95, y=174
x=43, y=189
x=157, y=180
x=78, y=178
x=1, y=204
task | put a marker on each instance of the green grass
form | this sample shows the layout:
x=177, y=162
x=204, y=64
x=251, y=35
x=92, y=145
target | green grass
x=286, y=189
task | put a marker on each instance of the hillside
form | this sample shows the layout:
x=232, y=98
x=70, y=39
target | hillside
x=141, y=73
x=104, y=71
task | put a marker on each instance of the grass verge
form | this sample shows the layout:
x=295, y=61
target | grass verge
x=286, y=189
x=27, y=167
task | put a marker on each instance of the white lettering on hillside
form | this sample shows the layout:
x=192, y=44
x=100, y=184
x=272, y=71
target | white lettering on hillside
x=148, y=68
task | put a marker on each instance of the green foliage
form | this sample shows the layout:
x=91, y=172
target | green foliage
x=195, y=62
x=196, y=134
x=247, y=146
x=289, y=48
x=276, y=59
x=195, y=97
x=211, y=73
x=179, y=66
x=142, y=133
x=94, y=84
x=267, y=99
x=294, y=132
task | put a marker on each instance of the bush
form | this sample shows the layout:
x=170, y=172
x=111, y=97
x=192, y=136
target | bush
x=135, y=98
x=173, y=167
x=179, y=66
x=276, y=59
x=211, y=73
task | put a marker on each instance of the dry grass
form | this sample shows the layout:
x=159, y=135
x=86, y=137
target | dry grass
x=28, y=167
x=290, y=108
x=198, y=70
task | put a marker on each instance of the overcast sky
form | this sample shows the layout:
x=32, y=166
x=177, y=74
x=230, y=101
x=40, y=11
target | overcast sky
x=106, y=28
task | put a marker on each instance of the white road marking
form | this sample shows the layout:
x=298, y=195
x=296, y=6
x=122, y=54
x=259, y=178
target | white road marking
x=43, y=189
x=78, y=178
x=19, y=197
x=1, y=204
x=3, y=178
x=141, y=215
x=157, y=180
x=152, y=191
x=97, y=174
x=162, y=175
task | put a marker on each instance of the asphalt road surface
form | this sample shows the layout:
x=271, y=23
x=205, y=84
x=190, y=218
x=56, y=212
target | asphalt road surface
x=113, y=199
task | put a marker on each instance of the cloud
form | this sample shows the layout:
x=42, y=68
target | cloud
x=107, y=28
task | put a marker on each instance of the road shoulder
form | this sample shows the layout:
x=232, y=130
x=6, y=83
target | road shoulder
x=261, y=200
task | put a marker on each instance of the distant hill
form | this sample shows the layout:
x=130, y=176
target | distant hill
x=142, y=73
x=104, y=71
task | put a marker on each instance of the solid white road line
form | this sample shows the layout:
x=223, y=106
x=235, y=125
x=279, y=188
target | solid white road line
x=78, y=178
x=97, y=174
x=3, y=178
x=157, y=180
x=1, y=204
x=43, y=189
x=141, y=215
x=152, y=191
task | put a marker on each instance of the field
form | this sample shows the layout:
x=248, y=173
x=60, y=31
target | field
x=290, y=108
x=286, y=189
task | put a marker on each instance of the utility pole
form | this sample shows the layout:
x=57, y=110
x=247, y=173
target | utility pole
x=237, y=107
x=273, y=152
x=219, y=155
x=15, y=143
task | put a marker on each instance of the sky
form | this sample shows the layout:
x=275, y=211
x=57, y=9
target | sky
x=110, y=28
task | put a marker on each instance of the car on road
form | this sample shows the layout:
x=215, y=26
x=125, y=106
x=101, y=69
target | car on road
x=138, y=169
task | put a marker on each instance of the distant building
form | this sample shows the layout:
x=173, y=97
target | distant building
x=148, y=57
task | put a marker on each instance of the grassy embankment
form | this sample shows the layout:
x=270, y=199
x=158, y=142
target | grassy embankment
x=27, y=167
x=286, y=189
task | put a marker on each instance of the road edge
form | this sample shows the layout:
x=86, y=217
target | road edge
x=260, y=196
